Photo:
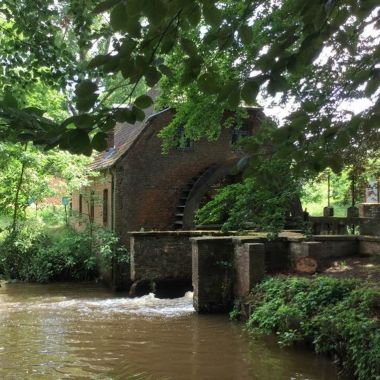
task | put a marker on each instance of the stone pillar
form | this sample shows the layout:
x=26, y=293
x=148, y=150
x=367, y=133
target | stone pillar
x=212, y=259
x=249, y=267
x=370, y=224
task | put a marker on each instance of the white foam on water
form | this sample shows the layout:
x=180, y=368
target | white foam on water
x=147, y=305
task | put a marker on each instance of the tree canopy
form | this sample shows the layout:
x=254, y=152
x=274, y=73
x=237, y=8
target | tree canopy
x=207, y=57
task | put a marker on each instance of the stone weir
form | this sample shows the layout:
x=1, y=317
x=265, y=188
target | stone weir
x=221, y=268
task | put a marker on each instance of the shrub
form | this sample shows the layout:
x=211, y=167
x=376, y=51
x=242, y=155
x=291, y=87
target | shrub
x=338, y=317
x=30, y=254
x=109, y=249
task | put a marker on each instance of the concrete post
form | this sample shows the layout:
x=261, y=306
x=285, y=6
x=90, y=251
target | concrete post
x=212, y=259
x=249, y=267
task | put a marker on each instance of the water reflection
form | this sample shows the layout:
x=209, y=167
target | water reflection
x=85, y=332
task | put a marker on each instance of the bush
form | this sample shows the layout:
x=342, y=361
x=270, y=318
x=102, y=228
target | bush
x=338, y=317
x=260, y=202
x=31, y=254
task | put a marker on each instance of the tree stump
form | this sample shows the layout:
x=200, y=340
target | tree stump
x=306, y=265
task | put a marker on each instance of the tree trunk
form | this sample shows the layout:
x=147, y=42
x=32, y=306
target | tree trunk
x=19, y=184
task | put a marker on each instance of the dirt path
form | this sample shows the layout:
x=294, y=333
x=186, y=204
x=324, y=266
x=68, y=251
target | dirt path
x=366, y=268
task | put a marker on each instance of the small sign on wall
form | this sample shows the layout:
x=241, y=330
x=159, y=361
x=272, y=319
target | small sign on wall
x=372, y=192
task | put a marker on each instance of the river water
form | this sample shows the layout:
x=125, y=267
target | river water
x=82, y=331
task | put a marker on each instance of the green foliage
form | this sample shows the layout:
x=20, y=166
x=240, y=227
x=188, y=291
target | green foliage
x=315, y=190
x=255, y=203
x=338, y=317
x=234, y=314
x=109, y=249
x=36, y=253
x=32, y=170
x=31, y=254
x=321, y=57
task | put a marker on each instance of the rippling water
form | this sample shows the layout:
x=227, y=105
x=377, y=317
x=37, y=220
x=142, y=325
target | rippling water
x=82, y=331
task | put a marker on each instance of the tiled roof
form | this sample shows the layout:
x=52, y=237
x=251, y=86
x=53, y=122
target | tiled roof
x=124, y=136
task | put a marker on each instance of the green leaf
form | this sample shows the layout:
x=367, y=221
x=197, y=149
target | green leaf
x=107, y=124
x=152, y=76
x=134, y=7
x=166, y=70
x=84, y=104
x=143, y=101
x=125, y=115
x=189, y=47
x=34, y=110
x=277, y=84
x=155, y=11
x=112, y=64
x=208, y=83
x=127, y=47
x=194, y=14
x=78, y=141
x=249, y=91
x=118, y=17
x=374, y=83
x=168, y=44
x=192, y=70
x=9, y=100
x=85, y=88
x=309, y=106
x=234, y=99
x=225, y=37
x=246, y=34
x=83, y=121
x=227, y=89
x=105, y=6
x=212, y=15
x=132, y=26
x=100, y=141
x=139, y=114
x=97, y=61
x=127, y=67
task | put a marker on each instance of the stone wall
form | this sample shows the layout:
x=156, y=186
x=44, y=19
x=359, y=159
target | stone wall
x=249, y=265
x=213, y=273
x=254, y=256
x=162, y=255
x=223, y=268
x=369, y=245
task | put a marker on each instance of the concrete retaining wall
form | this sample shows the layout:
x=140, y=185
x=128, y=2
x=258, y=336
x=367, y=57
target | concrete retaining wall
x=163, y=255
x=212, y=274
x=369, y=245
x=223, y=268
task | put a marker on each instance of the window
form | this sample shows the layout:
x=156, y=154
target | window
x=92, y=206
x=184, y=143
x=105, y=207
x=238, y=133
x=80, y=201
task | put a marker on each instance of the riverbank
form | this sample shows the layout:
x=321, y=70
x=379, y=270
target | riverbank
x=338, y=317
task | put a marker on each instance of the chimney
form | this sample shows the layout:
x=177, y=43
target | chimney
x=111, y=139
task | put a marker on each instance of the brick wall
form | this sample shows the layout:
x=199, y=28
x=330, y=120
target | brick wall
x=148, y=184
x=101, y=183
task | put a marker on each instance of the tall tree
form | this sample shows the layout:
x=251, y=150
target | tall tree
x=320, y=56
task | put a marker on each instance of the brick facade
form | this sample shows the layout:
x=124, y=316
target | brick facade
x=147, y=184
x=95, y=205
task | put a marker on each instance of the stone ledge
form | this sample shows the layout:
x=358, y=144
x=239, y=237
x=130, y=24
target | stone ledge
x=369, y=238
x=211, y=238
x=175, y=233
x=334, y=238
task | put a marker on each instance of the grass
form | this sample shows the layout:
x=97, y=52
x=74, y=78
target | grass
x=316, y=209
